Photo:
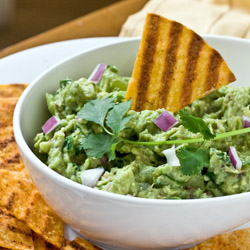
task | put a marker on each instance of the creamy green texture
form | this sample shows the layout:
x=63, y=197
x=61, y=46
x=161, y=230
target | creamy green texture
x=140, y=170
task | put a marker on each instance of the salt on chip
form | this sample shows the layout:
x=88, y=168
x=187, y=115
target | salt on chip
x=174, y=67
x=14, y=234
x=19, y=196
x=239, y=239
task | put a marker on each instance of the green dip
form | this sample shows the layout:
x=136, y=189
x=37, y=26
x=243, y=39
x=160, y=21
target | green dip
x=140, y=170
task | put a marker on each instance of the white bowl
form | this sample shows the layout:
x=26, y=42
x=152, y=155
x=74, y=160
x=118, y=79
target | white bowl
x=116, y=221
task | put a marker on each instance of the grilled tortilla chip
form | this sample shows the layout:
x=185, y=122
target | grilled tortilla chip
x=235, y=240
x=9, y=154
x=9, y=95
x=14, y=234
x=7, y=106
x=79, y=244
x=174, y=67
x=19, y=196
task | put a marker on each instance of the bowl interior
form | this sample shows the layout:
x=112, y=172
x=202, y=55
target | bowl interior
x=33, y=108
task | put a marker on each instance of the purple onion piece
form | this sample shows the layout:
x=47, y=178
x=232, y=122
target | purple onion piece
x=50, y=124
x=234, y=158
x=97, y=73
x=165, y=121
x=90, y=177
x=246, y=121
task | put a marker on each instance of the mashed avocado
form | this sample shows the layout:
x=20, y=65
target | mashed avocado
x=142, y=170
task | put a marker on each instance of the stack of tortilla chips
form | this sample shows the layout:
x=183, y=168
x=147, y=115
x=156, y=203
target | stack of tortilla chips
x=26, y=221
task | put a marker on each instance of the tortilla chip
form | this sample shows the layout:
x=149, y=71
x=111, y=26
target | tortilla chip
x=14, y=234
x=9, y=154
x=174, y=67
x=9, y=95
x=12, y=90
x=79, y=244
x=239, y=239
x=7, y=106
x=19, y=196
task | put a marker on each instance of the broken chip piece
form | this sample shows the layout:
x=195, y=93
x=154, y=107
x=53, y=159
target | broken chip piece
x=174, y=67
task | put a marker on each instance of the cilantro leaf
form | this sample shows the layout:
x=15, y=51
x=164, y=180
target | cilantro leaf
x=96, y=145
x=193, y=159
x=115, y=119
x=64, y=83
x=96, y=110
x=195, y=125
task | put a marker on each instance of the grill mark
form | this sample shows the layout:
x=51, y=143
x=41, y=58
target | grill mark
x=147, y=61
x=3, y=125
x=170, y=61
x=14, y=159
x=193, y=54
x=11, y=201
x=5, y=142
x=213, y=71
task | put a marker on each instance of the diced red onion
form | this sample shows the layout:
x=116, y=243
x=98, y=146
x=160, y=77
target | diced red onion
x=90, y=177
x=97, y=73
x=165, y=121
x=172, y=159
x=246, y=121
x=50, y=124
x=234, y=158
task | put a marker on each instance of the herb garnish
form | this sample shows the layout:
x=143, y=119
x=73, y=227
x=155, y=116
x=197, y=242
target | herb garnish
x=110, y=116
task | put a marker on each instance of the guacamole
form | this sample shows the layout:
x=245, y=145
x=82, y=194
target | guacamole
x=143, y=170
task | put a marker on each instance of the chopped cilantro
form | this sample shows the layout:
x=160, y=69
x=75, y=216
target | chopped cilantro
x=69, y=145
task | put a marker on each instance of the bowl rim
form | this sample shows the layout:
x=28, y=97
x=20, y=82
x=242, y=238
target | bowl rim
x=53, y=175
